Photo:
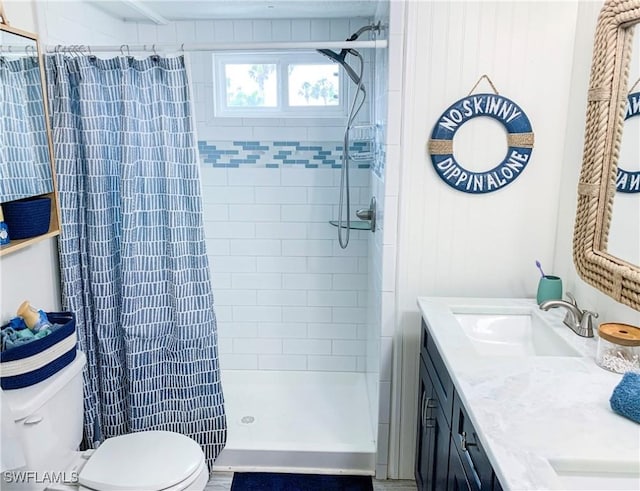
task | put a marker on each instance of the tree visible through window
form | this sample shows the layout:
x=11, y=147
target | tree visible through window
x=313, y=85
x=251, y=85
x=282, y=84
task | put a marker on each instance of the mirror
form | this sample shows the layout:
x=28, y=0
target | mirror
x=25, y=162
x=601, y=267
x=624, y=235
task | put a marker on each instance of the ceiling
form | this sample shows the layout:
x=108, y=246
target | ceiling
x=164, y=11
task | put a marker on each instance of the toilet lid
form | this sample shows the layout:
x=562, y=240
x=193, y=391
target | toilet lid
x=149, y=460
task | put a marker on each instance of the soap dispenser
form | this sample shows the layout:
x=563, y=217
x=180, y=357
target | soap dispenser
x=4, y=230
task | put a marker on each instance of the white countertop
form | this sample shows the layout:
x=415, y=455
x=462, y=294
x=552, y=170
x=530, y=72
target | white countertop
x=530, y=410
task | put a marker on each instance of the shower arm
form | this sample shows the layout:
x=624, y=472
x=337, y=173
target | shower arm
x=340, y=58
x=377, y=27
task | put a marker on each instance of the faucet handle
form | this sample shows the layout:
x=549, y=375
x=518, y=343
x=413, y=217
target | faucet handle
x=586, y=323
x=572, y=299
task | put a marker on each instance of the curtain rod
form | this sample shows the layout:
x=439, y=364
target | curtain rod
x=172, y=48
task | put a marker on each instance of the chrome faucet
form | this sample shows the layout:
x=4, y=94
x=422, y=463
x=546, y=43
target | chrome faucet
x=579, y=321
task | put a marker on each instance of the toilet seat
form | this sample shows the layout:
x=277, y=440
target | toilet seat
x=148, y=460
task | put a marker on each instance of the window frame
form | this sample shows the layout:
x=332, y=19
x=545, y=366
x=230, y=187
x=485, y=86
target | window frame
x=282, y=109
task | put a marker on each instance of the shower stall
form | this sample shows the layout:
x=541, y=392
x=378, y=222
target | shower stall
x=290, y=269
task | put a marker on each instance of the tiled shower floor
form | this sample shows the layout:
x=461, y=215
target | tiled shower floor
x=297, y=422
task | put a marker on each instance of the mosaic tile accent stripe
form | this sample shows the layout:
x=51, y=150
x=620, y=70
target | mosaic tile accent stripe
x=277, y=154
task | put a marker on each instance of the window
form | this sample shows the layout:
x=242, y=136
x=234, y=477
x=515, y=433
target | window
x=278, y=85
x=313, y=85
x=251, y=85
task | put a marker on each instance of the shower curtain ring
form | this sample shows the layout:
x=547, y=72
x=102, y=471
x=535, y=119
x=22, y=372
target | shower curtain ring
x=153, y=47
x=123, y=47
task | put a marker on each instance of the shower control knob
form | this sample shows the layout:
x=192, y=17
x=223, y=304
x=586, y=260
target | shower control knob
x=369, y=213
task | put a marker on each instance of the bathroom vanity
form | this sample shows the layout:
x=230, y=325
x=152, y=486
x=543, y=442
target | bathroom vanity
x=510, y=398
x=448, y=453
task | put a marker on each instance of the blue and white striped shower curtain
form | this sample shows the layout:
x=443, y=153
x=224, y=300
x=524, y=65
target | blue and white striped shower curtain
x=132, y=249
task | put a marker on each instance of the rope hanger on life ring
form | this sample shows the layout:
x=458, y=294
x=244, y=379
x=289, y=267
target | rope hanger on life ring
x=520, y=140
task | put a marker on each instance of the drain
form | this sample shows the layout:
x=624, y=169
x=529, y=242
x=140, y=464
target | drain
x=247, y=420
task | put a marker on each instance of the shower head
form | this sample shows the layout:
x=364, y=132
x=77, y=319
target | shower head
x=340, y=58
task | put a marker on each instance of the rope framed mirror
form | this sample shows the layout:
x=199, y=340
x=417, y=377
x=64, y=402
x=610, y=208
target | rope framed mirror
x=606, y=107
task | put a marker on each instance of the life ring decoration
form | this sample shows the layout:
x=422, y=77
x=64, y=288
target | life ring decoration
x=629, y=181
x=519, y=140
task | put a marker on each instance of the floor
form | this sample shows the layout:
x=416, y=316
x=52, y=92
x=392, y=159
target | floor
x=221, y=481
x=288, y=421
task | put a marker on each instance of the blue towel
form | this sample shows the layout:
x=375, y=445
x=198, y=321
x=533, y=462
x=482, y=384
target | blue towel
x=625, y=399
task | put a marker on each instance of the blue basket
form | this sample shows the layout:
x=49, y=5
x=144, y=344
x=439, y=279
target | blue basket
x=27, y=217
x=38, y=360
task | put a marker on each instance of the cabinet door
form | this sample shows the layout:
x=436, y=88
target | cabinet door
x=457, y=479
x=442, y=383
x=473, y=457
x=442, y=437
x=424, y=450
x=432, y=452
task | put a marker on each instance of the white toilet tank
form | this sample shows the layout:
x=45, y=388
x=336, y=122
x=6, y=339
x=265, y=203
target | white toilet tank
x=49, y=416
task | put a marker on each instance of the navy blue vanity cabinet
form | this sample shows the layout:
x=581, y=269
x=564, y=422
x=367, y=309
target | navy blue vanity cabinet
x=449, y=455
x=434, y=418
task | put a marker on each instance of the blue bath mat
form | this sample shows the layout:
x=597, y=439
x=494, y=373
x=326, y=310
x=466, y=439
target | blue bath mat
x=271, y=481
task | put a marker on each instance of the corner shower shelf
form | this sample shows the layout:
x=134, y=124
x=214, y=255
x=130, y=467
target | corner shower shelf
x=359, y=225
x=363, y=138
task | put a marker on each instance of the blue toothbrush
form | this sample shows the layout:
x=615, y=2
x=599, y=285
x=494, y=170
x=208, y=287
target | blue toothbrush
x=540, y=267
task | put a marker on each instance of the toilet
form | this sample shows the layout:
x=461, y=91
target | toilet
x=48, y=420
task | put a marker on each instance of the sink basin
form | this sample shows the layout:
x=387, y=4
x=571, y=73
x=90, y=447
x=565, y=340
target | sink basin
x=598, y=475
x=525, y=334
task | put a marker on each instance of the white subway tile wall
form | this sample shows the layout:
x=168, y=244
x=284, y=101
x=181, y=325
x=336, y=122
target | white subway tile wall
x=287, y=297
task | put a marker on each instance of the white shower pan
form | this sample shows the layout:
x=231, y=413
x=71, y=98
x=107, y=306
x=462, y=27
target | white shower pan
x=304, y=422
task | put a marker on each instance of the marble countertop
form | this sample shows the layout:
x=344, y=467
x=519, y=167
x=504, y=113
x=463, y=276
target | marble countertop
x=532, y=412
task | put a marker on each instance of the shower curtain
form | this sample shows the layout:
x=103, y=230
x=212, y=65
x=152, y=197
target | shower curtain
x=132, y=251
x=24, y=151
